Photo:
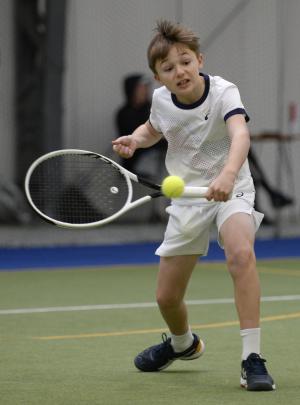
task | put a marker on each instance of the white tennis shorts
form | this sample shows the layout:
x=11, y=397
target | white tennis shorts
x=189, y=226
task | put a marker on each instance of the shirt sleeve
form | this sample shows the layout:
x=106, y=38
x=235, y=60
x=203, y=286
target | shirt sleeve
x=232, y=103
x=154, y=115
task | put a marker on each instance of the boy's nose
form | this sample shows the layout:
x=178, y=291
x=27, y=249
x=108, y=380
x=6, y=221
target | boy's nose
x=179, y=70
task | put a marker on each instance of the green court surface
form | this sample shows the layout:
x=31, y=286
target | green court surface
x=69, y=337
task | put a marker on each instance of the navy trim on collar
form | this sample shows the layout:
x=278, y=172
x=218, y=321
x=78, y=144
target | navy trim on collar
x=237, y=111
x=198, y=102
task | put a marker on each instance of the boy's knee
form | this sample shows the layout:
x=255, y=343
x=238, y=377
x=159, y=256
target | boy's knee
x=240, y=258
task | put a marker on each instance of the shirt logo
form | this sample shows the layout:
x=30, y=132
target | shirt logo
x=206, y=114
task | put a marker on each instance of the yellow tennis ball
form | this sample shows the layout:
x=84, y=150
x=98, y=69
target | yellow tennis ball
x=172, y=186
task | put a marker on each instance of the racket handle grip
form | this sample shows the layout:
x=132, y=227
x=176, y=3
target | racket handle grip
x=194, y=191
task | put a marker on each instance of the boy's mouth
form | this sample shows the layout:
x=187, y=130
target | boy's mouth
x=183, y=83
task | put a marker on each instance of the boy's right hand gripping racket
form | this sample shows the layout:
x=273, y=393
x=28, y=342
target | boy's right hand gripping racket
x=80, y=189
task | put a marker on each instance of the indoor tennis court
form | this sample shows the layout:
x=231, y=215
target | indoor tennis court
x=78, y=305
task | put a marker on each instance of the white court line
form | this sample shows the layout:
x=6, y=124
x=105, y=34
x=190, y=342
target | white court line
x=137, y=305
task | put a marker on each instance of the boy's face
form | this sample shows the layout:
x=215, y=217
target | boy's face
x=179, y=72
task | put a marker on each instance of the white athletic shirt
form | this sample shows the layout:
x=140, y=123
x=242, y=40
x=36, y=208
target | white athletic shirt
x=198, y=142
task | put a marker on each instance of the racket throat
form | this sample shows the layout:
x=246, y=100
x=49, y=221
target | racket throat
x=149, y=184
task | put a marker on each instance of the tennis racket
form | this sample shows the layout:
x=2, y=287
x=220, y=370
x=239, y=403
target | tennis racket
x=80, y=189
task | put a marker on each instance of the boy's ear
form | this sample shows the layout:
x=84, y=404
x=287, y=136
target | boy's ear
x=200, y=59
x=156, y=77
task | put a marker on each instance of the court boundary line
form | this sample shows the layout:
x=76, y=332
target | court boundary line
x=137, y=305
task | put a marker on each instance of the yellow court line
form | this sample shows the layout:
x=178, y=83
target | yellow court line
x=161, y=330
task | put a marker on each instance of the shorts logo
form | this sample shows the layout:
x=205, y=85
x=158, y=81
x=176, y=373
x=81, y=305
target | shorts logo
x=240, y=194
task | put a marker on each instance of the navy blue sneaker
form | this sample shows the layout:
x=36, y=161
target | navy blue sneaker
x=254, y=375
x=160, y=356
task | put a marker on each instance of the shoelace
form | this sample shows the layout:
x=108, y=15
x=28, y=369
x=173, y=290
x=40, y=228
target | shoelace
x=257, y=365
x=165, y=345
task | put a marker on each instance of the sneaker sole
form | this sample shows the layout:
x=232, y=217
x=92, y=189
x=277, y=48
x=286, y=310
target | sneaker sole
x=260, y=386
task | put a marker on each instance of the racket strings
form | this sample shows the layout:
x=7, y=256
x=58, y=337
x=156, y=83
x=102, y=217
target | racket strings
x=78, y=188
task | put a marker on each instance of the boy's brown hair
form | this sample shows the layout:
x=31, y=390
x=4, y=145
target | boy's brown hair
x=167, y=35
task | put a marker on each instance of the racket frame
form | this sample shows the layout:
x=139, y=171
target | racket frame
x=129, y=204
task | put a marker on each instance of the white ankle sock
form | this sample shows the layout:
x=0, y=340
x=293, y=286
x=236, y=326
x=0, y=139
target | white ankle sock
x=250, y=341
x=182, y=342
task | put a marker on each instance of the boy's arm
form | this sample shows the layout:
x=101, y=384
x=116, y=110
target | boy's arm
x=143, y=136
x=221, y=188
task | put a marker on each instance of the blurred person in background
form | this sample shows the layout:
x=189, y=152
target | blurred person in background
x=134, y=112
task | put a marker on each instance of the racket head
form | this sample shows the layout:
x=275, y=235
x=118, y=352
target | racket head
x=76, y=188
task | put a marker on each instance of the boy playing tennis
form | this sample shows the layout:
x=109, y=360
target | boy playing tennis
x=204, y=121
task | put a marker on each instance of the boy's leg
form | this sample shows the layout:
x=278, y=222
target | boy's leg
x=237, y=233
x=173, y=278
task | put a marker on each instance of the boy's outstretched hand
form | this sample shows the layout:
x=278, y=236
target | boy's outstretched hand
x=125, y=146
